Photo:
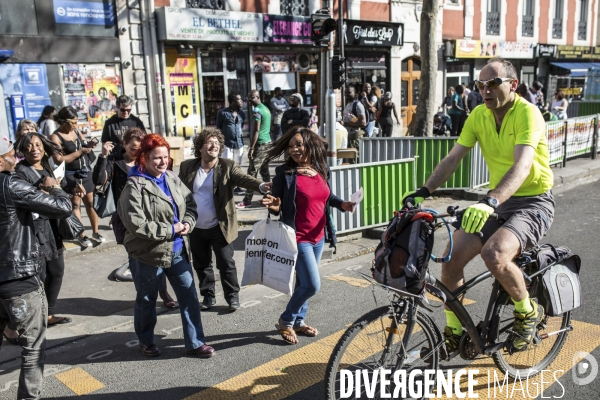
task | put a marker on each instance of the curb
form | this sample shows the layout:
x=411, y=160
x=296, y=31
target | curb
x=74, y=250
x=586, y=173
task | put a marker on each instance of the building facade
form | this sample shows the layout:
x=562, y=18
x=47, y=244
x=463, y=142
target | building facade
x=552, y=41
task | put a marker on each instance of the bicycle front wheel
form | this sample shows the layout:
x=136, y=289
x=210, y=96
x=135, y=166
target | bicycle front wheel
x=373, y=343
x=538, y=354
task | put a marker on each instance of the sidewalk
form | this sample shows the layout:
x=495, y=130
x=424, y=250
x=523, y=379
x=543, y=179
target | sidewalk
x=97, y=303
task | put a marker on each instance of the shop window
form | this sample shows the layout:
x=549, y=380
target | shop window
x=18, y=20
x=294, y=7
x=212, y=62
x=237, y=68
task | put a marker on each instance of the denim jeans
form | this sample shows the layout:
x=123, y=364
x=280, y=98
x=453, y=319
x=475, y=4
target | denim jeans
x=369, y=128
x=308, y=283
x=147, y=281
x=28, y=314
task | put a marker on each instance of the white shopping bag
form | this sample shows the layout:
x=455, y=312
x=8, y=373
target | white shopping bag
x=253, y=266
x=272, y=245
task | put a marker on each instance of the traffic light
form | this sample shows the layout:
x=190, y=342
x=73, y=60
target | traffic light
x=321, y=25
x=338, y=72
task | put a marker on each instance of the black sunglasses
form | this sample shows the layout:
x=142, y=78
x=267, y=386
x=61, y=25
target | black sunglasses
x=125, y=110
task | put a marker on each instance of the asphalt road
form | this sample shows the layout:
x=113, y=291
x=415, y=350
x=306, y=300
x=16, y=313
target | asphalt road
x=253, y=362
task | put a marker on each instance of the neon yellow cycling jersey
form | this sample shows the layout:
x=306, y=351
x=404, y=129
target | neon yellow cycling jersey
x=523, y=124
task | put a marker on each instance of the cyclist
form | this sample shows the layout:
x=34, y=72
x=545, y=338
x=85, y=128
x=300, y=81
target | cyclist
x=511, y=134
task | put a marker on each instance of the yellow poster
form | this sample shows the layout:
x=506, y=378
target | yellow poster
x=182, y=77
x=467, y=48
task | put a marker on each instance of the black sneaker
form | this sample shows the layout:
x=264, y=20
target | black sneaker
x=239, y=190
x=452, y=341
x=525, y=327
x=208, y=302
x=234, y=305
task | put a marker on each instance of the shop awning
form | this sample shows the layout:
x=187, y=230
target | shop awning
x=576, y=68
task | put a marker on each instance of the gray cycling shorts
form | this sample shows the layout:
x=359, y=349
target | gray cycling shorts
x=528, y=218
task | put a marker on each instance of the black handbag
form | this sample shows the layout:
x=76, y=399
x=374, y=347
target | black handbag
x=104, y=201
x=69, y=228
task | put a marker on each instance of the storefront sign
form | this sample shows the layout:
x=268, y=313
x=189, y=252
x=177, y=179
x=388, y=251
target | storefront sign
x=84, y=12
x=366, y=62
x=546, y=50
x=370, y=33
x=578, y=52
x=286, y=29
x=208, y=25
x=466, y=48
x=182, y=77
x=516, y=50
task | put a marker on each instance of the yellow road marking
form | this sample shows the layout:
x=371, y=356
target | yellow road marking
x=583, y=337
x=351, y=281
x=298, y=369
x=79, y=381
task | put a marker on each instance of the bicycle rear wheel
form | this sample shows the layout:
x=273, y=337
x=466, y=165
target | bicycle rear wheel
x=372, y=343
x=538, y=354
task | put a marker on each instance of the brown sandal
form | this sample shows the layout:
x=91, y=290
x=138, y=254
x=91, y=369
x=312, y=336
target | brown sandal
x=287, y=334
x=307, y=331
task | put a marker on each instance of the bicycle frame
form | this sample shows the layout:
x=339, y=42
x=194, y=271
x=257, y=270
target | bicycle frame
x=453, y=302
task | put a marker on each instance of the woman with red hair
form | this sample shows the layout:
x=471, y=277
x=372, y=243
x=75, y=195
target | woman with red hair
x=158, y=211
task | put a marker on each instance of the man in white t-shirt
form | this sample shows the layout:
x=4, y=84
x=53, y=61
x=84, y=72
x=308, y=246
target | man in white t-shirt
x=354, y=117
x=211, y=180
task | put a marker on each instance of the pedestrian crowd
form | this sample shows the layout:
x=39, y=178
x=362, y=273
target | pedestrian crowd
x=170, y=224
x=461, y=100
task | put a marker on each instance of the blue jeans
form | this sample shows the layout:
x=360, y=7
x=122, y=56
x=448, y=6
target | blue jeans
x=369, y=128
x=147, y=279
x=308, y=283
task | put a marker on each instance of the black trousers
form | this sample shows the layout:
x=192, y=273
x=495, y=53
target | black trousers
x=201, y=242
x=52, y=276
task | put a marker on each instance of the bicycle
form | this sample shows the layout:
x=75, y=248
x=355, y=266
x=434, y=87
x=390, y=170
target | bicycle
x=400, y=336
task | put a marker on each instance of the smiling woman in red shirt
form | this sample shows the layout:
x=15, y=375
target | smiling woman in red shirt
x=301, y=195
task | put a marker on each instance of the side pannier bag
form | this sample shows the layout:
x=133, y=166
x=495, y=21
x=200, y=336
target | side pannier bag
x=560, y=288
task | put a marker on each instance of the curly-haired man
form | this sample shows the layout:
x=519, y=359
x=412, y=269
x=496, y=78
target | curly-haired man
x=211, y=179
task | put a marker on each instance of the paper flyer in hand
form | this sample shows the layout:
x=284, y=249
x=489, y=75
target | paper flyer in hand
x=357, y=197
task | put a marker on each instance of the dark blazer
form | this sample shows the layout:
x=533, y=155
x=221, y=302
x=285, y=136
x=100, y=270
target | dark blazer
x=284, y=187
x=227, y=176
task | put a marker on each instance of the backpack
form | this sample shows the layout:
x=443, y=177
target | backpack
x=355, y=108
x=402, y=257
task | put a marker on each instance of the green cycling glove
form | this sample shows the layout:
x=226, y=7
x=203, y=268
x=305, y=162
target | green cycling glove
x=418, y=195
x=475, y=217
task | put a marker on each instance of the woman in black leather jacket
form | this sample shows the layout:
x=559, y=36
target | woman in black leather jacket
x=35, y=148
